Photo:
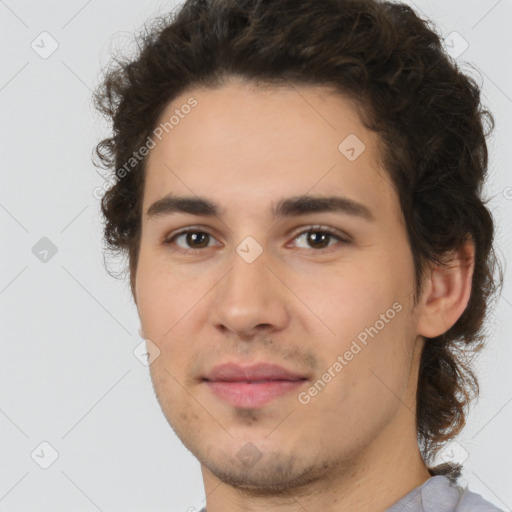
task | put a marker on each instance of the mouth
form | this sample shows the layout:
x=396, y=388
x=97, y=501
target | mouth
x=252, y=386
x=252, y=394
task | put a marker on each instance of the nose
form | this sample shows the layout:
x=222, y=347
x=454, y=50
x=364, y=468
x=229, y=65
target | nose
x=251, y=299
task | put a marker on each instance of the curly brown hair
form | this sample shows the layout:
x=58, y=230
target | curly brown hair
x=393, y=65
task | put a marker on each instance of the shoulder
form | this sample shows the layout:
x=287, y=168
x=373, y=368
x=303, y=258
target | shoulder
x=439, y=494
x=473, y=502
x=440, y=488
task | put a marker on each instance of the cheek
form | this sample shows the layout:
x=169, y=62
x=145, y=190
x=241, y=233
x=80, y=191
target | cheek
x=350, y=296
x=172, y=308
x=375, y=335
x=163, y=296
x=366, y=311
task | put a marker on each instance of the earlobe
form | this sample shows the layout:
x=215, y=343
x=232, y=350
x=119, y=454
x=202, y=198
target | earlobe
x=447, y=291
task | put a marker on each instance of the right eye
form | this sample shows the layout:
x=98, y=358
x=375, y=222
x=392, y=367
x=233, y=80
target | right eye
x=193, y=238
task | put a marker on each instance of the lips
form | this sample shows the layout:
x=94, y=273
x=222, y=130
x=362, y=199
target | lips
x=252, y=386
x=231, y=372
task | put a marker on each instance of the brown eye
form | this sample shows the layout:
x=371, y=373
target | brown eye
x=320, y=239
x=196, y=239
x=190, y=240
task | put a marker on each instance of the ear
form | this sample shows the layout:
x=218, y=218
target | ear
x=446, y=292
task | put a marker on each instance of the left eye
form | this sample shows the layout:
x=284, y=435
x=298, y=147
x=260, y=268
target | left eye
x=316, y=238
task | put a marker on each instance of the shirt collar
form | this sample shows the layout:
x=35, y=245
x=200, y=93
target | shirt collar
x=437, y=494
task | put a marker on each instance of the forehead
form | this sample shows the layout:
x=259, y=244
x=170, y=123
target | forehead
x=259, y=144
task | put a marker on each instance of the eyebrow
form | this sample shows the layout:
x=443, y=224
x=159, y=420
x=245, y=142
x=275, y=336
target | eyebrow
x=289, y=207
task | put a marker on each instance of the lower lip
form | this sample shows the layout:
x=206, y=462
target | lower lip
x=246, y=394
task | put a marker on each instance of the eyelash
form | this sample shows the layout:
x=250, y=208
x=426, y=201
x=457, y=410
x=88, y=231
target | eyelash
x=311, y=229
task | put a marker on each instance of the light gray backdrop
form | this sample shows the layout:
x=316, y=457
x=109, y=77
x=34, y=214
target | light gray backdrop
x=68, y=375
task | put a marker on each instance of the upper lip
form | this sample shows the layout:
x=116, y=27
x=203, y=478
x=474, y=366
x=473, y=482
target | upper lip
x=233, y=372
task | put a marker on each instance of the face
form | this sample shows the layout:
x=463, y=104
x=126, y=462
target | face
x=323, y=289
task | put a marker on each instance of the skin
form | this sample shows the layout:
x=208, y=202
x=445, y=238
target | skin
x=353, y=446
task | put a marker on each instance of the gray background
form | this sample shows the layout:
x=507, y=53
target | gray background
x=68, y=375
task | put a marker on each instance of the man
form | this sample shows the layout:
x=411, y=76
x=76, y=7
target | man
x=297, y=188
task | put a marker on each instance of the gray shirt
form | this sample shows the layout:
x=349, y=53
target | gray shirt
x=438, y=494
